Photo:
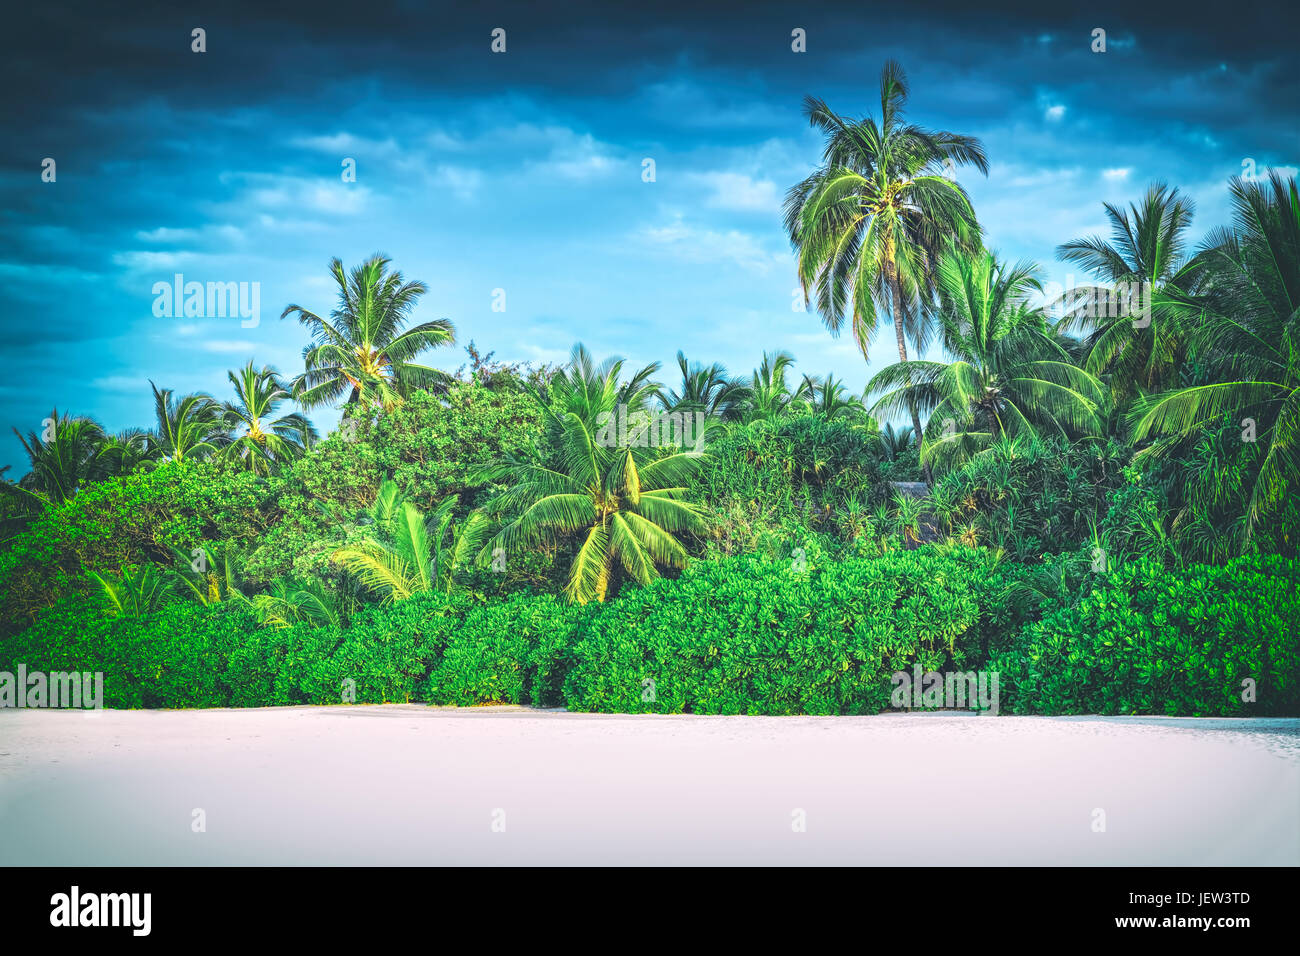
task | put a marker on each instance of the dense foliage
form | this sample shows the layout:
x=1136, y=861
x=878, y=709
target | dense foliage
x=1101, y=505
x=734, y=636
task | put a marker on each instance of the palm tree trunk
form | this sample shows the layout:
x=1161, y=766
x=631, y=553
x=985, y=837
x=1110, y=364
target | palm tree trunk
x=902, y=357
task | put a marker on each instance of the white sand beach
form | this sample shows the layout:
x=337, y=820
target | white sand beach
x=407, y=784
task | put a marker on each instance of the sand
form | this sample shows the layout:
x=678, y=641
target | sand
x=407, y=784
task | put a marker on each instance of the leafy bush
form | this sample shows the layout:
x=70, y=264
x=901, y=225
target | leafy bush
x=810, y=634
x=1152, y=641
x=748, y=636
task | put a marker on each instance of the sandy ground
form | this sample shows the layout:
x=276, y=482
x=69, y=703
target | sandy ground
x=418, y=785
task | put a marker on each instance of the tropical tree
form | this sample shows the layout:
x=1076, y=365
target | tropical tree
x=594, y=392
x=1243, y=329
x=289, y=602
x=1146, y=252
x=826, y=398
x=64, y=456
x=258, y=440
x=706, y=389
x=123, y=453
x=135, y=591
x=769, y=394
x=624, y=502
x=895, y=442
x=409, y=552
x=188, y=427
x=1009, y=376
x=364, y=349
x=209, y=574
x=869, y=223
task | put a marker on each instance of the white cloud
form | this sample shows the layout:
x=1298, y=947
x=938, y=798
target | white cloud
x=224, y=346
x=120, y=383
x=1055, y=112
x=464, y=181
x=738, y=191
x=1118, y=173
x=691, y=244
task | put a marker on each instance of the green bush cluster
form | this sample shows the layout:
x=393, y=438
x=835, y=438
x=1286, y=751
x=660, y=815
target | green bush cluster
x=1147, y=640
x=746, y=635
x=286, y=524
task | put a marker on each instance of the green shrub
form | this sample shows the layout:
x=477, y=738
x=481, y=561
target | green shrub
x=1152, y=641
x=516, y=651
x=748, y=636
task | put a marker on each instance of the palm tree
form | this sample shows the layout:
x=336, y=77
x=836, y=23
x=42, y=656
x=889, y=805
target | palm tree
x=209, y=574
x=869, y=223
x=826, y=398
x=187, y=427
x=1146, y=252
x=260, y=443
x=123, y=453
x=769, y=395
x=1010, y=376
x=894, y=443
x=135, y=591
x=625, y=502
x=63, y=458
x=411, y=553
x=362, y=350
x=707, y=390
x=592, y=391
x=1244, y=330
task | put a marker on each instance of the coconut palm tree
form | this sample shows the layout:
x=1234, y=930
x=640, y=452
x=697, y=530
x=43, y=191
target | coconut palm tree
x=826, y=398
x=1009, y=376
x=411, y=553
x=363, y=350
x=188, y=427
x=1243, y=329
x=258, y=440
x=595, y=391
x=895, y=442
x=63, y=457
x=769, y=394
x=1145, y=253
x=123, y=453
x=706, y=389
x=135, y=591
x=869, y=223
x=623, y=502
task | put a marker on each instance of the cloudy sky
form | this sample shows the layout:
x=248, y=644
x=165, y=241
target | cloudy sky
x=522, y=171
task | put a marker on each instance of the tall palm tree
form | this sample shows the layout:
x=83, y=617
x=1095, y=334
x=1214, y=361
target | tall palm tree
x=1146, y=251
x=1243, y=329
x=870, y=222
x=187, y=427
x=1010, y=376
x=705, y=389
x=623, y=501
x=260, y=441
x=63, y=457
x=770, y=395
x=364, y=350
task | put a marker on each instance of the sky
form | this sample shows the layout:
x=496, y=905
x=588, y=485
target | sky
x=515, y=178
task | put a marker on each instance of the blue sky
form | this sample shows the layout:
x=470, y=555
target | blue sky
x=522, y=171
